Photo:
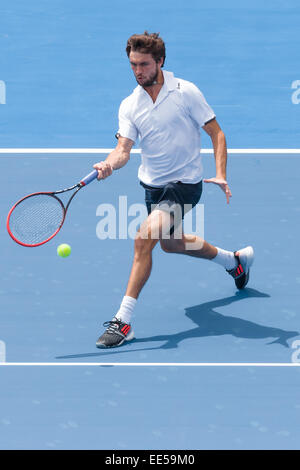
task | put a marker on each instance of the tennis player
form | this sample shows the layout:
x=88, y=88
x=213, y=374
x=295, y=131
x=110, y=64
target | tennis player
x=166, y=114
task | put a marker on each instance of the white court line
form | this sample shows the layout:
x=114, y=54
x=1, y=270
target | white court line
x=34, y=151
x=154, y=364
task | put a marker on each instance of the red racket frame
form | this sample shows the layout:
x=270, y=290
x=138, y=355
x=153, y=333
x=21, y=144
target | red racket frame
x=50, y=194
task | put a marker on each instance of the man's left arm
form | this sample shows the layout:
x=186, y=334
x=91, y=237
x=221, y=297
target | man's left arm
x=218, y=139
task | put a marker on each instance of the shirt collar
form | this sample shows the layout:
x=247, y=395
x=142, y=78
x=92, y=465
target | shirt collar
x=170, y=81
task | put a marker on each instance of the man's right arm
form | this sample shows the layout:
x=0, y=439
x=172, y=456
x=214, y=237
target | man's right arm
x=116, y=159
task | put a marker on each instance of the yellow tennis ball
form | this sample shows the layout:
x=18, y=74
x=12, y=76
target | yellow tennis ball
x=64, y=250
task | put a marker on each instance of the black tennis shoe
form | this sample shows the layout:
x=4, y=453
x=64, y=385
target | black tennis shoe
x=117, y=332
x=240, y=273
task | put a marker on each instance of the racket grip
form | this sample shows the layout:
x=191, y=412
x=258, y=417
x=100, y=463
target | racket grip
x=89, y=178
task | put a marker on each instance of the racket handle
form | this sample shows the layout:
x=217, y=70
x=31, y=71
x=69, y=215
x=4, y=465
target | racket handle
x=89, y=178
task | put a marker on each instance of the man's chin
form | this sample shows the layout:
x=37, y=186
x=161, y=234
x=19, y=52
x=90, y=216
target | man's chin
x=147, y=84
x=143, y=83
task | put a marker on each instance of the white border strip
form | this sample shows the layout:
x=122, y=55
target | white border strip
x=154, y=364
x=108, y=150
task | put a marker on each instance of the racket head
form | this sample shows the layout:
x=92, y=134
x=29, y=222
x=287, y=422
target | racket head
x=35, y=219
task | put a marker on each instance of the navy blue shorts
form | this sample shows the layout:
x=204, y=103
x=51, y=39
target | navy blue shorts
x=183, y=194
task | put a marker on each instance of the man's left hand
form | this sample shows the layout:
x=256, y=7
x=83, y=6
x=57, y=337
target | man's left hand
x=222, y=183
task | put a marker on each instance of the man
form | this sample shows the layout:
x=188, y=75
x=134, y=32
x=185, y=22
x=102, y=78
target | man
x=166, y=114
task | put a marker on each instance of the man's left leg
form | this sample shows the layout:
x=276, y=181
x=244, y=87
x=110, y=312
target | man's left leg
x=237, y=263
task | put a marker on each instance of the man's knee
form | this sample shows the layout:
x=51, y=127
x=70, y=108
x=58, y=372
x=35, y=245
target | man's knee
x=143, y=245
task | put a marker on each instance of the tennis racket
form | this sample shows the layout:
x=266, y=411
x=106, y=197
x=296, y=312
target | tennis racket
x=38, y=217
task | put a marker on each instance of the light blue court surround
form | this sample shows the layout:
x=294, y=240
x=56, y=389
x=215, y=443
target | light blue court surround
x=66, y=70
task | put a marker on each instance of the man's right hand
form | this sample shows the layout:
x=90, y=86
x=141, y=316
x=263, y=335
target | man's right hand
x=104, y=170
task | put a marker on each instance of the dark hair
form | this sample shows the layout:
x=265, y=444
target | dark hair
x=147, y=44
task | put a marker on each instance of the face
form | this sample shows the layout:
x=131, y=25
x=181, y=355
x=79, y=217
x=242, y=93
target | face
x=145, y=68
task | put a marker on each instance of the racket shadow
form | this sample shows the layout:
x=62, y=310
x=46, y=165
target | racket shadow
x=209, y=323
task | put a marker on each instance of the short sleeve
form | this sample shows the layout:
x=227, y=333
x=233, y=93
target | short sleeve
x=199, y=109
x=126, y=126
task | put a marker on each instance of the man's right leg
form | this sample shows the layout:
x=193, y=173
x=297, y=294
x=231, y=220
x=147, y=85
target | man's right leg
x=150, y=232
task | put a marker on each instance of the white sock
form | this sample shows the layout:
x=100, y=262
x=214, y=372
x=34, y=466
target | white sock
x=225, y=259
x=126, y=309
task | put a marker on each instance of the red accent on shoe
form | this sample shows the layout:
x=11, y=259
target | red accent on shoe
x=239, y=270
x=125, y=329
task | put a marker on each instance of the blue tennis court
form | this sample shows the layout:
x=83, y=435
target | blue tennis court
x=211, y=367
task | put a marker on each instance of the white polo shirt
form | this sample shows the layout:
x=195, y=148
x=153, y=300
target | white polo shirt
x=168, y=130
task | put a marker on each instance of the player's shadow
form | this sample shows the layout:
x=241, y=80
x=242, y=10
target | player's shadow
x=209, y=323
x=212, y=323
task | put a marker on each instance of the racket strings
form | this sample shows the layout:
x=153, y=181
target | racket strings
x=36, y=218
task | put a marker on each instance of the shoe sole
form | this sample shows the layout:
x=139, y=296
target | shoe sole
x=129, y=337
